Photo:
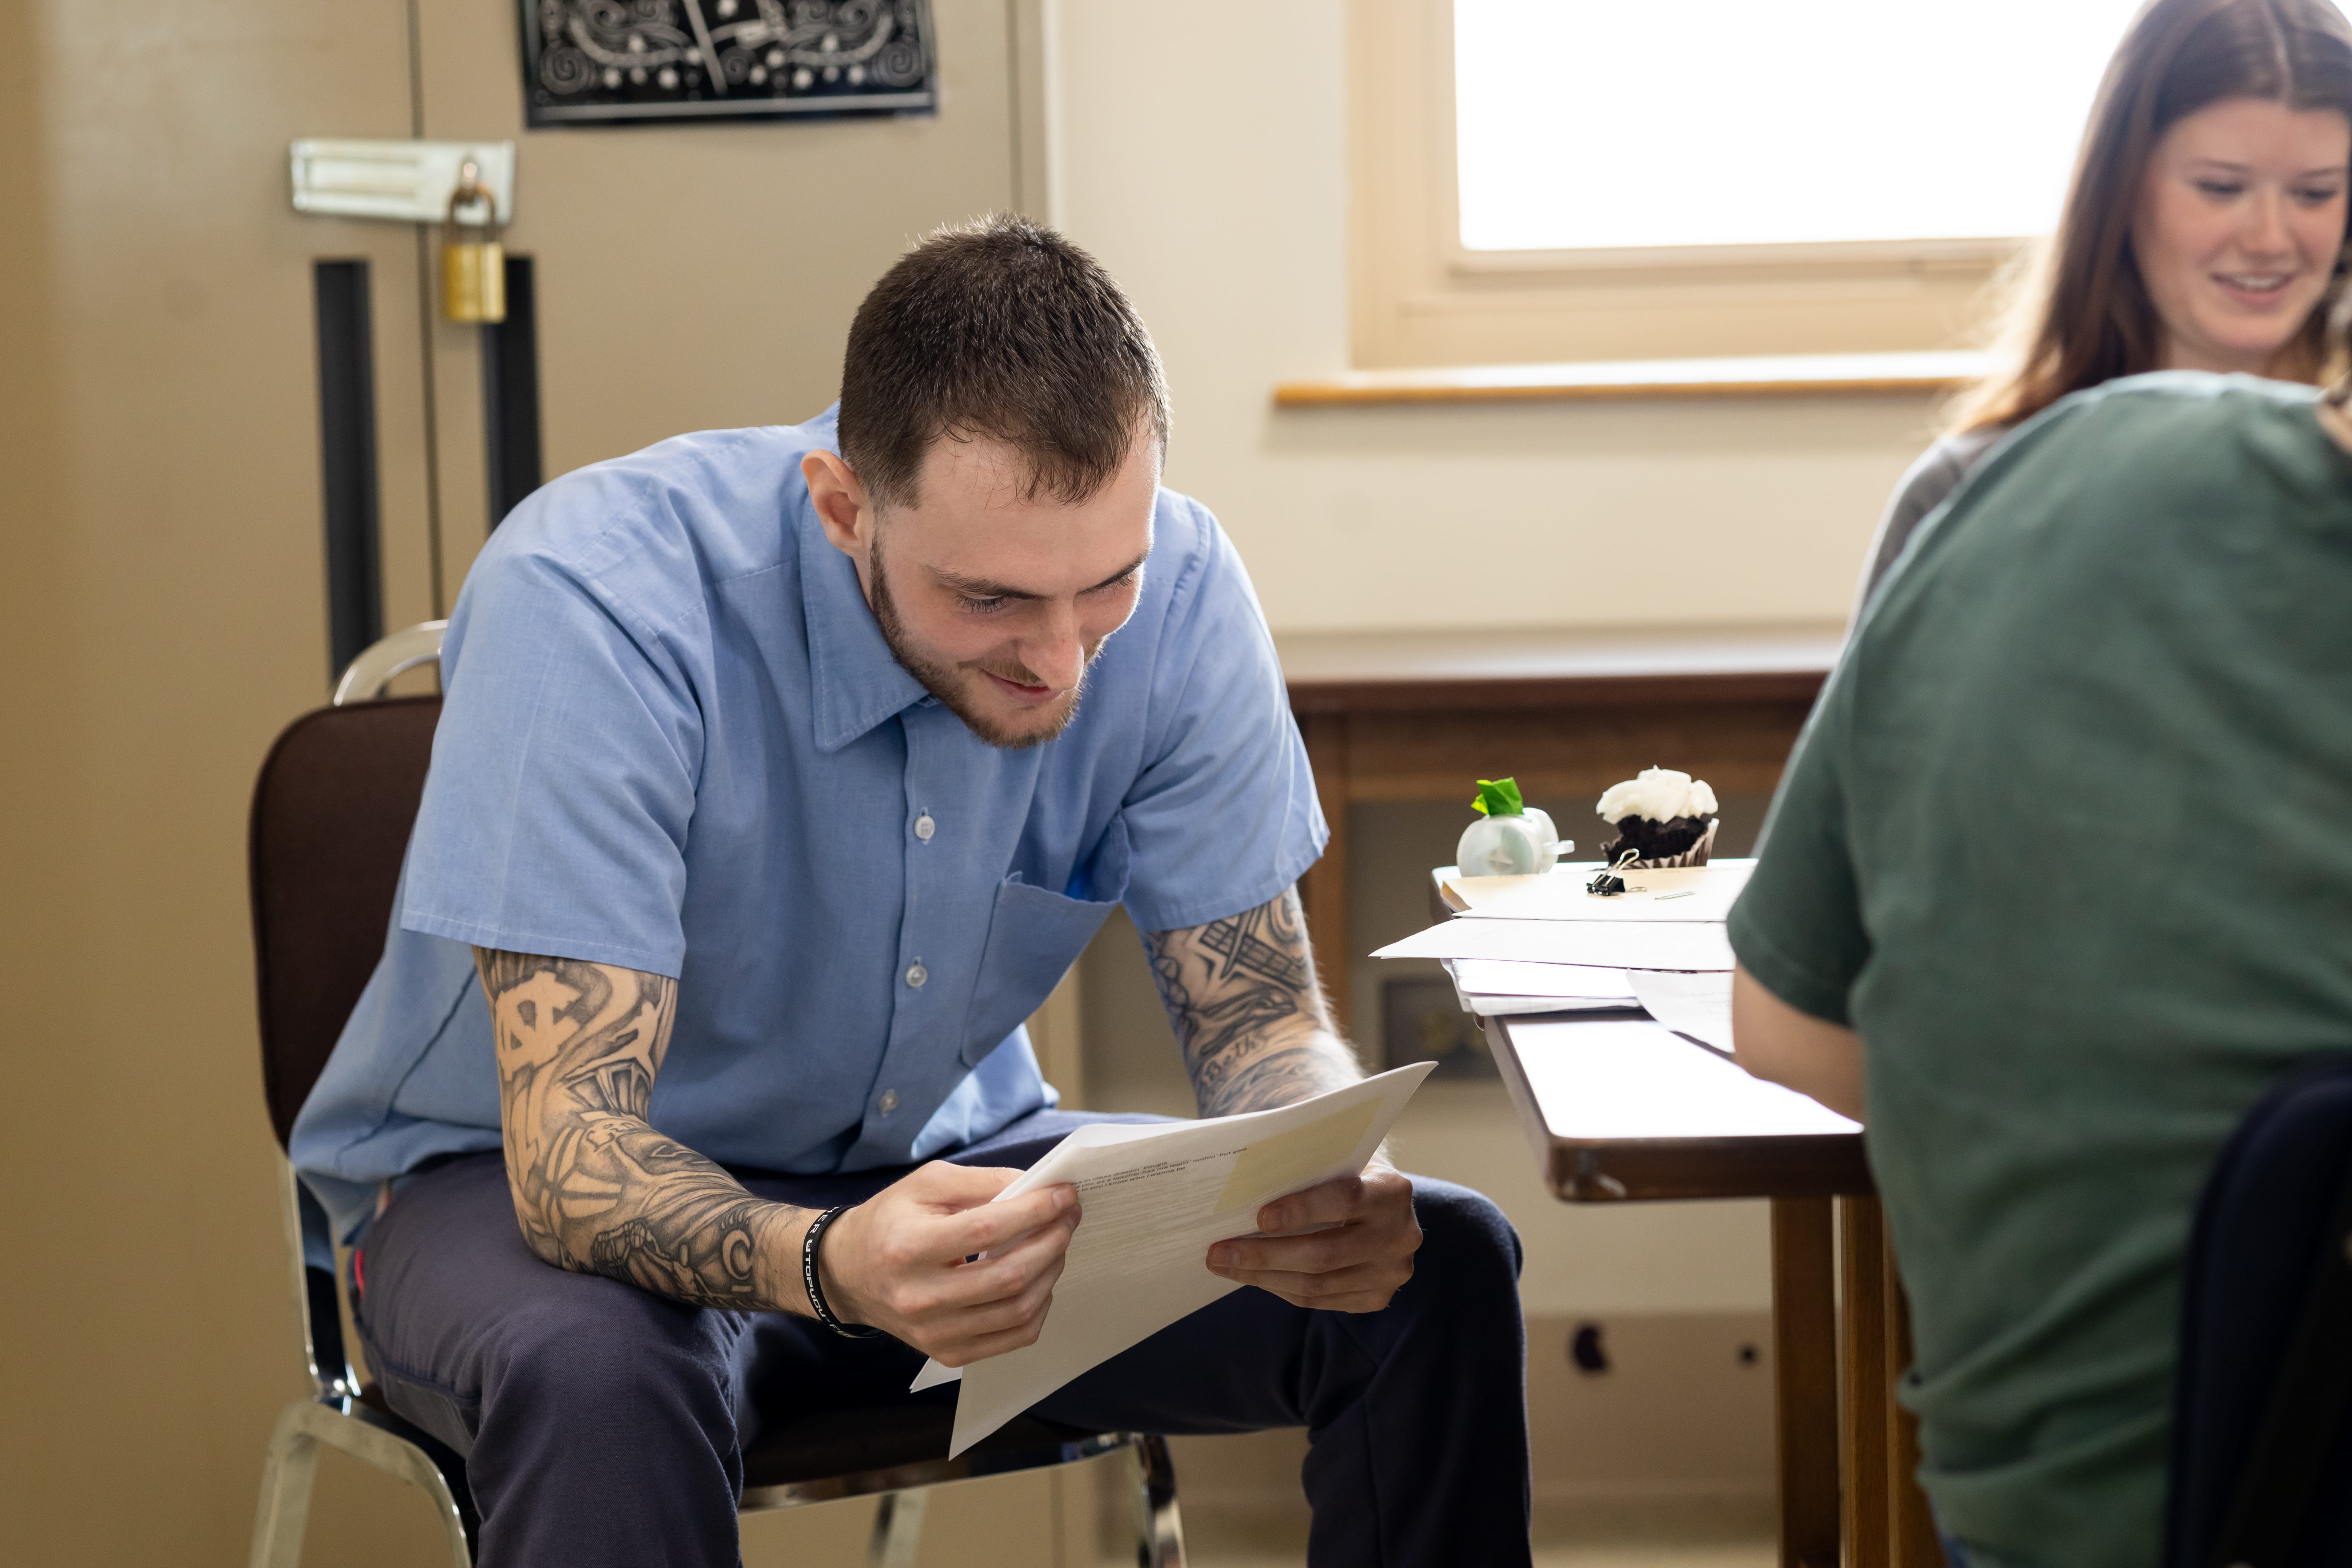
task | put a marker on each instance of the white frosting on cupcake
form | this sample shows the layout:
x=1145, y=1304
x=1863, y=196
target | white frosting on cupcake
x=1659, y=793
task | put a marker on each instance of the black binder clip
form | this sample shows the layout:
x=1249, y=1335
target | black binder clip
x=1609, y=881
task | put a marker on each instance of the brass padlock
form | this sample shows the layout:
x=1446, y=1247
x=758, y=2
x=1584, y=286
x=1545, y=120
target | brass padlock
x=473, y=271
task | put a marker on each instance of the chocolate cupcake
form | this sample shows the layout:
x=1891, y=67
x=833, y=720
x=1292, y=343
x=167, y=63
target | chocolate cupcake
x=1667, y=817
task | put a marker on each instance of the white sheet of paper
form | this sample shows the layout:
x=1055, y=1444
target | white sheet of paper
x=1560, y=991
x=1693, y=893
x=1699, y=1006
x=1156, y=1196
x=1520, y=1006
x=1496, y=977
x=1608, y=1078
x=1610, y=944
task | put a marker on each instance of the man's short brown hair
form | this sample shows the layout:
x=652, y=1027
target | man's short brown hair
x=998, y=330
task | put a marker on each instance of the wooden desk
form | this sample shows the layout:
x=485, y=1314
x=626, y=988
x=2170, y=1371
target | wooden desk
x=1623, y=1110
x=1420, y=715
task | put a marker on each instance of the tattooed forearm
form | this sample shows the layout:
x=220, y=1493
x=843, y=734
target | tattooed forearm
x=1248, y=1010
x=597, y=1190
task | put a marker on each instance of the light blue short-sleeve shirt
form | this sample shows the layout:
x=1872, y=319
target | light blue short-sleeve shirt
x=674, y=740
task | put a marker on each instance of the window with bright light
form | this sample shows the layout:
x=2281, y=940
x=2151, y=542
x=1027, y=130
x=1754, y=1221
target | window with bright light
x=1584, y=125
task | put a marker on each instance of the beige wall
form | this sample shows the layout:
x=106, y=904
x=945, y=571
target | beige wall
x=1206, y=162
x=164, y=577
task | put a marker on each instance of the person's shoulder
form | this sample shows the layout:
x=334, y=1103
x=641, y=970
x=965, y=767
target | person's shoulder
x=1926, y=485
x=1935, y=473
x=1182, y=530
x=1962, y=450
x=1194, y=569
x=1198, y=611
x=2186, y=401
x=2187, y=433
x=1959, y=450
x=707, y=506
x=2129, y=479
x=1953, y=457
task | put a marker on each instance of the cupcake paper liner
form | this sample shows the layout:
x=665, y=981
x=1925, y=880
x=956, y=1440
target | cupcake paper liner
x=1695, y=856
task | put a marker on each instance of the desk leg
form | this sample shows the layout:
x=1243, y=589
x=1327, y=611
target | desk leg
x=1863, y=1341
x=1804, y=1340
x=1324, y=889
x=1911, y=1525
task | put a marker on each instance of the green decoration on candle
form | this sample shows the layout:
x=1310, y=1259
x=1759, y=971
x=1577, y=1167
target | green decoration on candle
x=1498, y=797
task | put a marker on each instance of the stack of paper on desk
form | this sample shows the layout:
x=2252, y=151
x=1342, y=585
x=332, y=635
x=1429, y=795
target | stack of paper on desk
x=1664, y=921
x=1491, y=977
x=1660, y=944
x=1495, y=988
x=1153, y=1199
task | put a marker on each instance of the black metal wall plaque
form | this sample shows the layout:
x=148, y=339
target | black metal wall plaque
x=601, y=62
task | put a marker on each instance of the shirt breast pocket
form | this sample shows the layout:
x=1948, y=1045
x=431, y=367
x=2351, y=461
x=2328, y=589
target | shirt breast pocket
x=1034, y=937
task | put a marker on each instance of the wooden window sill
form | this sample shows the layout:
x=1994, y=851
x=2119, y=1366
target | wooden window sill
x=1339, y=671
x=1780, y=375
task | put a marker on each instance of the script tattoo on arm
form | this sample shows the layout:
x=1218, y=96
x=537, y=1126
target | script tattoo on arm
x=1242, y=996
x=596, y=1189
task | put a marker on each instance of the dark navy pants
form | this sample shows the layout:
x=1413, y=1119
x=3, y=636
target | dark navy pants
x=604, y=1424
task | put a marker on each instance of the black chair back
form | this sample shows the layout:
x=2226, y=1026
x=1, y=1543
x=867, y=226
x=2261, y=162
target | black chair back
x=331, y=815
x=2261, y=1451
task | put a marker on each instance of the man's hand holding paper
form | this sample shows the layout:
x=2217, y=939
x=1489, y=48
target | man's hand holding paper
x=1344, y=1246
x=933, y=1262
x=937, y=1265
x=1160, y=1199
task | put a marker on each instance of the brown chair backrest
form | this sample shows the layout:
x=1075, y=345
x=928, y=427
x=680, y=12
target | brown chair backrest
x=331, y=813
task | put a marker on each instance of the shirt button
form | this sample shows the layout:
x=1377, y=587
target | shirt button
x=925, y=827
x=888, y=1102
x=916, y=974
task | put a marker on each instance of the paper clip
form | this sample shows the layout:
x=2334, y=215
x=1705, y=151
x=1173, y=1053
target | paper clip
x=1607, y=883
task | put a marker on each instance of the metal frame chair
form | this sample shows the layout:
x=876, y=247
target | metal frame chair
x=893, y=1452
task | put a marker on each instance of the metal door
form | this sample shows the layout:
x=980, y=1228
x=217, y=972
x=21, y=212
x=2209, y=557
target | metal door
x=667, y=277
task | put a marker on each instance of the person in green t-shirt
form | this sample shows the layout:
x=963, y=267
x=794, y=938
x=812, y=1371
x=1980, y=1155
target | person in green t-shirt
x=2058, y=882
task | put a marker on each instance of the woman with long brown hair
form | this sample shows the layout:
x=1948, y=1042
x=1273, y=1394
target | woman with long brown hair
x=2204, y=228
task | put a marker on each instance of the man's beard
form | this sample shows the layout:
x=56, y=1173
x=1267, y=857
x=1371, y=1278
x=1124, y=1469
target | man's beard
x=941, y=679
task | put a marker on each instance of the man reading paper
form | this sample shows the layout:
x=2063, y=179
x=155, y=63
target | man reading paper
x=783, y=773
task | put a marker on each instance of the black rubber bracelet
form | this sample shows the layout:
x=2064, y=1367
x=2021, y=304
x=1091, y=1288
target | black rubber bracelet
x=808, y=1277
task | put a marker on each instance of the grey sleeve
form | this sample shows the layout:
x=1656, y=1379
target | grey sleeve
x=1924, y=487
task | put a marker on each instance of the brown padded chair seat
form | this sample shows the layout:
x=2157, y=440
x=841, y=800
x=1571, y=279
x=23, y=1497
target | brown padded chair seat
x=331, y=812
x=842, y=1442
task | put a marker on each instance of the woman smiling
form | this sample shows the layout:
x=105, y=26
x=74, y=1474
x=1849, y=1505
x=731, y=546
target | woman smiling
x=2204, y=228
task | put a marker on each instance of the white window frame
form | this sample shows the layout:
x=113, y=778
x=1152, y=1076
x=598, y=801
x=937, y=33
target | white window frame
x=1421, y=298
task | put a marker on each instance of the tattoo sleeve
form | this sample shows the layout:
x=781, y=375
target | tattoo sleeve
x=596, y=1189
x=1242, y=996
